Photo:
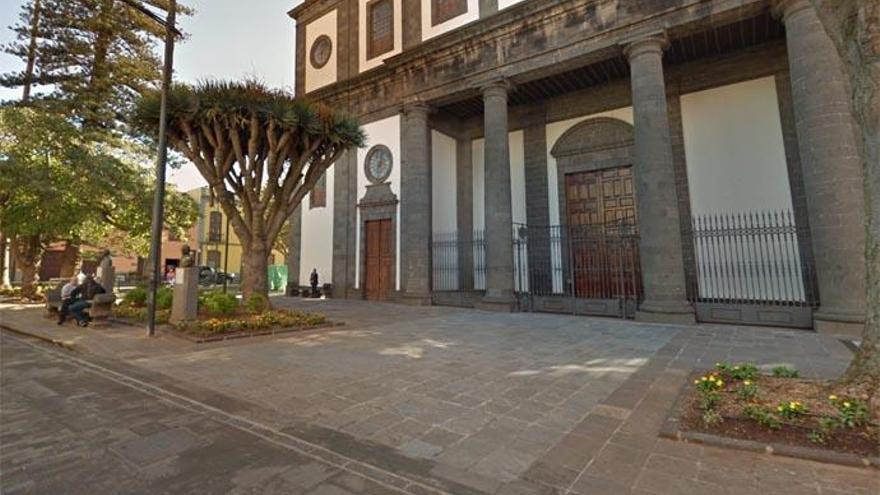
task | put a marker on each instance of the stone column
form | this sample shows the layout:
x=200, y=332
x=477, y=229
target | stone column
x=415, y=199
x=464, y=192
x=832, y=171
x=497, y=206
x=660, y=247
x=344, y=221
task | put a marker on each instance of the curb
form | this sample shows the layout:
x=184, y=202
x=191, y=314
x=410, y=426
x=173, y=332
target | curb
x=65, y=344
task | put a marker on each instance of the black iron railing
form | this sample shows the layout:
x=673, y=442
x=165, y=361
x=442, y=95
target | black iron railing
x=751, y=258
x=458, y=262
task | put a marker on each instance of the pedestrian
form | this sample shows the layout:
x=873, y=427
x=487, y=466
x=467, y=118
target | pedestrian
x=76, y=304
x=66, y=291
x=313, y=281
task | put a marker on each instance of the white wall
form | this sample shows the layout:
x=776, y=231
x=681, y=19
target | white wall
x=444, y=206
x=317, y=237
x=365, y=64
x=734, y=148
x=503, y=4
x=387, y=132
x=736, y=164
x=316, y=78
x=429, y=31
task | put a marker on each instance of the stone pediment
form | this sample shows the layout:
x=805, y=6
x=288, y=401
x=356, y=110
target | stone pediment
x=589, y=136
x=378, y=195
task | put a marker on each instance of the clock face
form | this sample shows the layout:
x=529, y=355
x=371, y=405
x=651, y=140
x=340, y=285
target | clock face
x=320, y=53
x=378, y=164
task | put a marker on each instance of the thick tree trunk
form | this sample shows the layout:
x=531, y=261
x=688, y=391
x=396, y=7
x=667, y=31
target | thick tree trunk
x=854, y=27
x=255, y=275
x=29, y=251
x=4, y=279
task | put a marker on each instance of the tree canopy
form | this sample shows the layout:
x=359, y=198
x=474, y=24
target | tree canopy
x=56, y=186
x=260, y=150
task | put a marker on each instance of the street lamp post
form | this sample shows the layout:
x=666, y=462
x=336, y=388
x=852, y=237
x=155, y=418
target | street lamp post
x=162, y=156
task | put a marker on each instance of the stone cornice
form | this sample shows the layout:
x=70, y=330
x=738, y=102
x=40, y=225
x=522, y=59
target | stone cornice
x=509, y=45
x=785, y=8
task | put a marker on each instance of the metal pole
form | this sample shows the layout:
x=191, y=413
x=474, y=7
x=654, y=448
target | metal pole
x=159, y=198
x=226, y=257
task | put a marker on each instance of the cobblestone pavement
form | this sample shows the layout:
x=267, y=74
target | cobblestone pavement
x=465, y=401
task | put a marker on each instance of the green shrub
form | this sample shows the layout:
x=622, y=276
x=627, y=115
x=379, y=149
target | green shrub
x=257, y=303
x=712, y=418
x=218, y=303
x=164, y=298
x=785, y=372
x=744, y=371
x=852, y=412
x=748, y=391
x=791, y=409
x=762, y=415
x=136, y=297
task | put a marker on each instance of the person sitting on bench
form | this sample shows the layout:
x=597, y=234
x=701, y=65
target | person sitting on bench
x=79, y=291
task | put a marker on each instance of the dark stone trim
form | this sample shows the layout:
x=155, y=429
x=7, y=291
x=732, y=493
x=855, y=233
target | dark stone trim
x=682, y=190
x=294, y=248
x=379, y=203
x=464, y=178
x=412, y=23
x=344, y=218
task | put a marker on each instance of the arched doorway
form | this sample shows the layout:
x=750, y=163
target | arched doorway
x=599, y=231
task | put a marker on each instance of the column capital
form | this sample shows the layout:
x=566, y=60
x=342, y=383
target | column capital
x=786, y=8
x=653, y=43
x=496, y=87
x=416, y=108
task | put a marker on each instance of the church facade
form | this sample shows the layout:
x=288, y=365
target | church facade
x=665, y=160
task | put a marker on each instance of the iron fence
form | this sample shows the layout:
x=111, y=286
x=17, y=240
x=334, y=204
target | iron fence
x=458, y=262
x=751, y=258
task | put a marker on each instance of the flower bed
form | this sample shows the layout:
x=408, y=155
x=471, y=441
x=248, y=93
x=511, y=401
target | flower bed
x=220, y=316
x=738, y=401
x=243, y=322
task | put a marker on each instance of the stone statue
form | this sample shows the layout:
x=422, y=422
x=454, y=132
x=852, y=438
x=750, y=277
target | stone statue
x=186, y=257
x=106, y=272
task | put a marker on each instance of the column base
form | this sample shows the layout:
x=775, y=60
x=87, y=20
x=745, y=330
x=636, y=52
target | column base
x=840, y=324
x=415, y=298
x=674, y=313
x=503, y=302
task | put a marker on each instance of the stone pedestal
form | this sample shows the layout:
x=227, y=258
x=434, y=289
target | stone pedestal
x=415, y=198
x=832, y=170
x=186, y=295
x=660, y=249
x=108, y=277
x=498, y=211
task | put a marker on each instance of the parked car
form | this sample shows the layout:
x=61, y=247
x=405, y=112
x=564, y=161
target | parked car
x=212, y=276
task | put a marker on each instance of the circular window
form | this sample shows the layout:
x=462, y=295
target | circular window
x=321, y=50
x=378, y=164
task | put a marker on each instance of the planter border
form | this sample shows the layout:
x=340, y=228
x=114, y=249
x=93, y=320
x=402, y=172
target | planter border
x=673, y=430
x=203, y=339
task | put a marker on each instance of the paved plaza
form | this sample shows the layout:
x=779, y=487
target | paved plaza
x=398, y=400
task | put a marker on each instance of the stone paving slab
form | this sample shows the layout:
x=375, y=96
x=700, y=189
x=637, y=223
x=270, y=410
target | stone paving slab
x=486, y=403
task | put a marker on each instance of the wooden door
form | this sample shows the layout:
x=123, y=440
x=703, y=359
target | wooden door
x=602, y=228
x=379, y=254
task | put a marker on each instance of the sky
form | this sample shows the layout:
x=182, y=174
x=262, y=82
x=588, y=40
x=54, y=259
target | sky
x=228, y=39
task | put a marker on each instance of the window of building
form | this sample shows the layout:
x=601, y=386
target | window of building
x=214, y=259
x=443, y=10
x=380, y=27
x=318, y=195
x=215, y=226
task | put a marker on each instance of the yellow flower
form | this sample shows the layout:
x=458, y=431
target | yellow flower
x=696, y=381
x=832, y=397
x=780, y=408
x=736, y=367
x=719, y=383
x=792, y=404
x=747, y=382
x=703, y=379
x=846, y=404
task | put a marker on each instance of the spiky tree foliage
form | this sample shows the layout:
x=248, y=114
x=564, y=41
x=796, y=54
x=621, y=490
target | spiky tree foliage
x=854, y=28
x=260, y=150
